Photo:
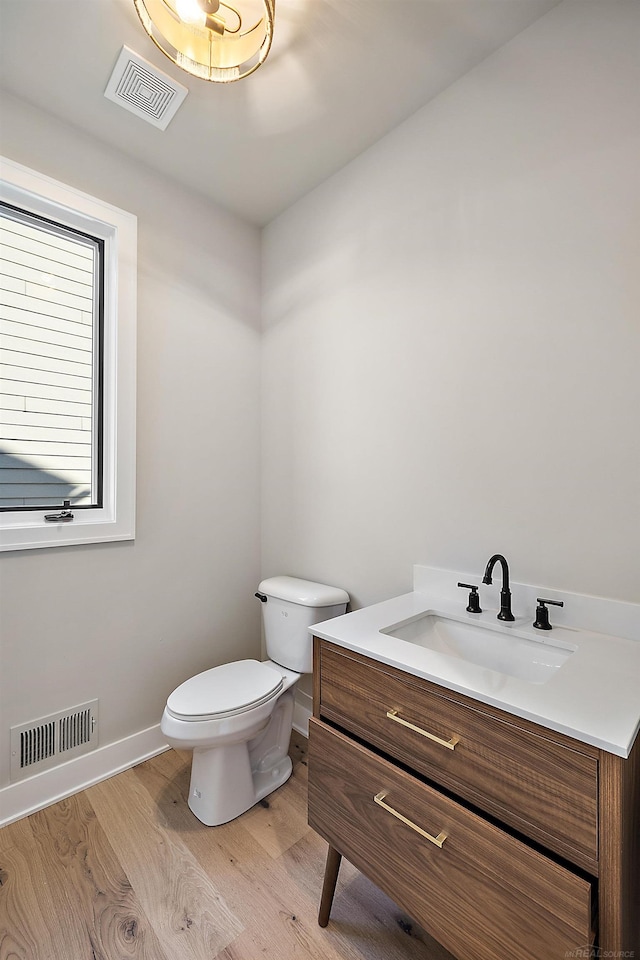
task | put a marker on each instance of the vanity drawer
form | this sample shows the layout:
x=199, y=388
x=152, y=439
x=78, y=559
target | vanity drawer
x=481, y=892
x=532, y=781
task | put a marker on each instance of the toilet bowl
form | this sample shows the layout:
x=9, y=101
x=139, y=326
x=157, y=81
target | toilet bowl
x=237, y=717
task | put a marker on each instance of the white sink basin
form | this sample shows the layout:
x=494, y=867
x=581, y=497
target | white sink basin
x=504, y=649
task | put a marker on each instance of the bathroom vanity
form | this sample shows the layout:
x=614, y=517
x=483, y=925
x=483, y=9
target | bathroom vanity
x=500, y=835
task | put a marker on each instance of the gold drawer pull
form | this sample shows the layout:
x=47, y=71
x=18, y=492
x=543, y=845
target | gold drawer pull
x=449, y=744
x=439, y=840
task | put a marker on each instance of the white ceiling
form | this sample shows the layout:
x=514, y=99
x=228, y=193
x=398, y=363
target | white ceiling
x=341, y=73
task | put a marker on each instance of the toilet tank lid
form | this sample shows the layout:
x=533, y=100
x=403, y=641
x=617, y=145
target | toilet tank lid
x=305, y=592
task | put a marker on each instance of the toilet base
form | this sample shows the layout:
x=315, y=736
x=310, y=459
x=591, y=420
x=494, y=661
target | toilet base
x=227, y=781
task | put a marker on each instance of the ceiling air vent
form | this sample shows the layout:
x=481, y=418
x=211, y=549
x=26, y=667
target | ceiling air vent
x=140, y=87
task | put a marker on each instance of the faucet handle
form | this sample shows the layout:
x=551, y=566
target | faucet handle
x=474, y=599
x=542, y=614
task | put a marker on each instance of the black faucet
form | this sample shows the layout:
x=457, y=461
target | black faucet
x=505, y=593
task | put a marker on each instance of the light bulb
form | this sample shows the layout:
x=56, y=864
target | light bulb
x=190, y=11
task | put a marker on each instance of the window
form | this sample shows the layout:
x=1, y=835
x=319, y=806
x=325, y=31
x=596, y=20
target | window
x=67, y=365
x=51, y=338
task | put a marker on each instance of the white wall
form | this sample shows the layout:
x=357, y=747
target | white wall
x=452, y=340
x=126, y=622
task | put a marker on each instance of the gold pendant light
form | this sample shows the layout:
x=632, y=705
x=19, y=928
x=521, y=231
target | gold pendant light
x=211, y=39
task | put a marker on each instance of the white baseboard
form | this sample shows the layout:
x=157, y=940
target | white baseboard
x=27, y=796
x=302, y=710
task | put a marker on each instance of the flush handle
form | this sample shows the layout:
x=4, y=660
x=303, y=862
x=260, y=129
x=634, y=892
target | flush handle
x=262, y=597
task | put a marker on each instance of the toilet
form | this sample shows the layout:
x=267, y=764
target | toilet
x=237, y=717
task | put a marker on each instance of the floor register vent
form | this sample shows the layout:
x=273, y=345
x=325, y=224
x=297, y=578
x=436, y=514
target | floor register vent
x=52, y=740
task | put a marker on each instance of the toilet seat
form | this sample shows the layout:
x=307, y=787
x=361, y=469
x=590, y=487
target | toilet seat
x=224, y=691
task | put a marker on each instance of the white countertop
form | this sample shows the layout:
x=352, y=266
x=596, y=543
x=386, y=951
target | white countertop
x=594, y=696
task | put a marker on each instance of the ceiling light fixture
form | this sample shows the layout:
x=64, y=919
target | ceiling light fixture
x=211, y=39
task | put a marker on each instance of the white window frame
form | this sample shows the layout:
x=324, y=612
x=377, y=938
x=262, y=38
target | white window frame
x=115, y=520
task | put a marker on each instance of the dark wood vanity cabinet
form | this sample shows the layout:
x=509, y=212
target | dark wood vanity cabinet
x=500, y=837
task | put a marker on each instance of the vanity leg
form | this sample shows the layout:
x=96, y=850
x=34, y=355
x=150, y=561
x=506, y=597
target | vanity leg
x=329, y=885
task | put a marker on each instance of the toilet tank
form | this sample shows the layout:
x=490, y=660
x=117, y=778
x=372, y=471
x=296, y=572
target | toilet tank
x=292, y=605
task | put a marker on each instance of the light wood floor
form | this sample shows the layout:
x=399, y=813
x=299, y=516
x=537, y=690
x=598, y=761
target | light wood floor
x=124, y=870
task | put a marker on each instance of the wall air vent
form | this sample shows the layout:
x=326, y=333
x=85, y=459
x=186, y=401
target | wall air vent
x=140, y=87
x=45, y=743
